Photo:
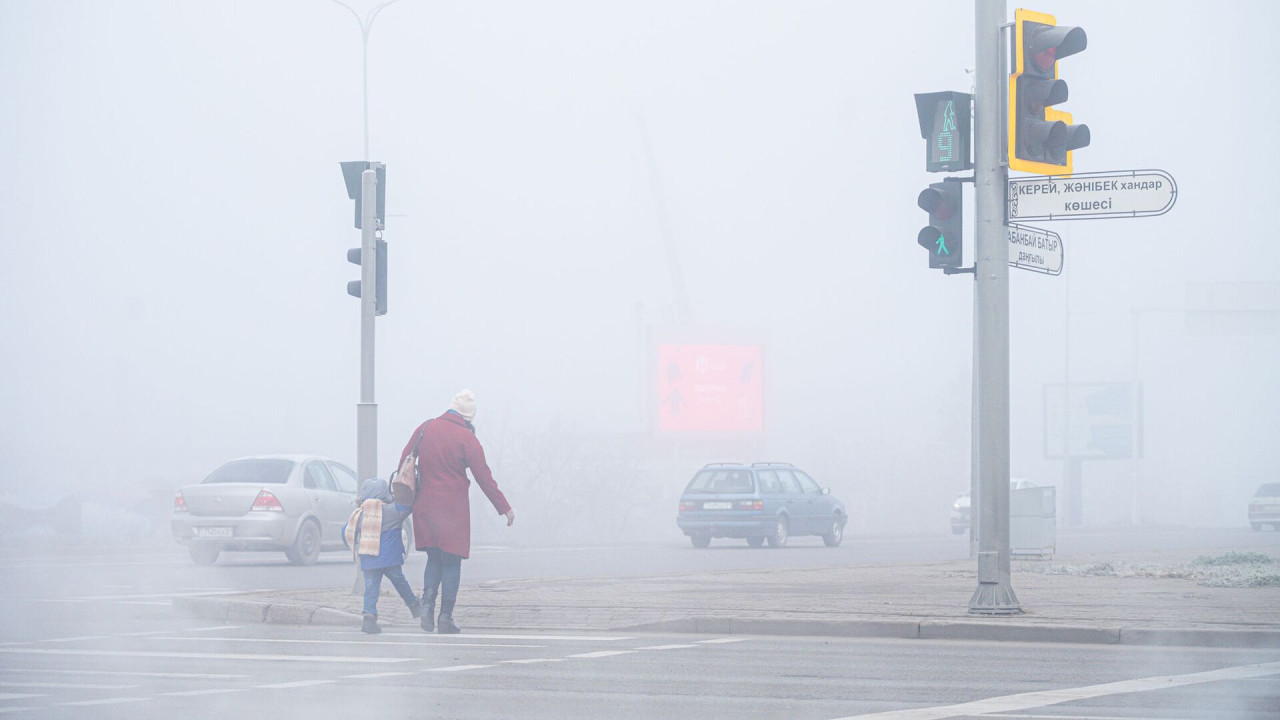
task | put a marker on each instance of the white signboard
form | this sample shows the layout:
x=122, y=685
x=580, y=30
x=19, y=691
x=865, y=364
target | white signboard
x=1092, y=420
x=1091, y=196
x=1035, y=249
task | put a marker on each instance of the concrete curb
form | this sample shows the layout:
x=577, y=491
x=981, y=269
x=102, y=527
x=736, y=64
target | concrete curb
x=764, y=626
x=224, y=609
x=959, y=630
x=241, y=610
x=1201, y=637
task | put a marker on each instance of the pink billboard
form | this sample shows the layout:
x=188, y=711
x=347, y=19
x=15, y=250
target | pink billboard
x=710, y=388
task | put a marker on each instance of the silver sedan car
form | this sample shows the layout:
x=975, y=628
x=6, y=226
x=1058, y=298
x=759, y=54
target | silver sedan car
x=292, y=503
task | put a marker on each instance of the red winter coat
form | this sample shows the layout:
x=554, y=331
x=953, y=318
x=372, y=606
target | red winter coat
x=442, y=510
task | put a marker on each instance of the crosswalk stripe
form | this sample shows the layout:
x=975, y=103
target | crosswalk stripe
x=371, y=676
x=721, y=641
x=443, y=641
x=303, y=641
x=104, y=701
x=210, y=691
x=1044, y=698
x=531, y=661
x=202, y=676
x=457, y=668
x=666, y=647
x=19, y=696
x=67, y=686
x=294, y=684
x=206, y=656
x=602, y=653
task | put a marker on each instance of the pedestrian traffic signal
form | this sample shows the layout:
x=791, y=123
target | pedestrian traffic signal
x=944, y=124
x=380, y=276
x=1041, y=138
x=943, y=237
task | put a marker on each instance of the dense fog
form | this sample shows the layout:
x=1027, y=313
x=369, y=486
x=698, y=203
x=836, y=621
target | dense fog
x=175, y=224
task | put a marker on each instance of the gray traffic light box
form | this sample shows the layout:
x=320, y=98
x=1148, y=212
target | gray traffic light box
x=351, y=175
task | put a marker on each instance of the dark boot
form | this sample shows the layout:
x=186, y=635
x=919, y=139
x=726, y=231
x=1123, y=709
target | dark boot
x=447, y=625
x=370, y=625
x=427, y=611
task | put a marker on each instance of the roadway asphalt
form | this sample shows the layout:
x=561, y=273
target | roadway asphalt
x=91, y=634
x=227, y=670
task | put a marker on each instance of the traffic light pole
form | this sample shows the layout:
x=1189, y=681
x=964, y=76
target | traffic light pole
x=367, y=409
x=994, y=595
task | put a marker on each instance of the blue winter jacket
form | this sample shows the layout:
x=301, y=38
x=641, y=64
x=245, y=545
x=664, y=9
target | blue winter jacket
x=390, y=543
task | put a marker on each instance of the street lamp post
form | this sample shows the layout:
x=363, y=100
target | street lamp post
x=366, y=25
x=367, y=409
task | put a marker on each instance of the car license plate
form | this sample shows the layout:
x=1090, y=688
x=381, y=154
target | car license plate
x=212, y=532
x=717, y=505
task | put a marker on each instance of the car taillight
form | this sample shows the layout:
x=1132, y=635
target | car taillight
x=179, y=503
x=686, y=505
x=267, y=501
x=750, y=504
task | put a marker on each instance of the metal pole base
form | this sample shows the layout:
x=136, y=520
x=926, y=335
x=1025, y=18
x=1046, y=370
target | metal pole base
x=994, y=595
x=994, y=599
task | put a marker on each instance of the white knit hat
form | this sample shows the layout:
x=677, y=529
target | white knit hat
x=465, y=403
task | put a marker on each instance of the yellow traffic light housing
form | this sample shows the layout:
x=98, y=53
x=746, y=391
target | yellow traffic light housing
x=1040, y=138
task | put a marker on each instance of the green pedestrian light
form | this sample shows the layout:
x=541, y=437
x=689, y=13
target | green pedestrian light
x=943, y=237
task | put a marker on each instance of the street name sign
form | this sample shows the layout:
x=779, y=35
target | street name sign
x=1035, y=249
x=1092, y=196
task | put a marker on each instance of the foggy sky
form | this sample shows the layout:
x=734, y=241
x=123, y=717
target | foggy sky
x=173, y=231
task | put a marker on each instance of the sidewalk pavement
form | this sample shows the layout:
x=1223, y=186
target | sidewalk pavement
x=1063, y=600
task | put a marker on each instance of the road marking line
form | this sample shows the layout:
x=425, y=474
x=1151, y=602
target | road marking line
x=206, y=656
x=721, y=641
x=457, y=668
x=16, y=709
x=69, y=686
x=1042, y=698
x=208, y=628
x=295, y=684
x=531, y=661
x=370, y=676
x=666, y=647
x=145, y=596
x=19, y=696
x=570, y=638
x=211, y=691
x=201, y=676
x=120, y=635
x=602, y=653
x=340, y=642
x=107, y=701
x=1019, y=716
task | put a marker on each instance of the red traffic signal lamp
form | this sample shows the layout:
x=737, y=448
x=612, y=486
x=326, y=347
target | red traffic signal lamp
x=1041, y=138
x=943, y=237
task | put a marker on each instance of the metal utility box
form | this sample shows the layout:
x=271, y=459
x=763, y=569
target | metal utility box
x=1033, y=530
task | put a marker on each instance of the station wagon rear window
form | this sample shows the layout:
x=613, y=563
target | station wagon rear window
x=722, y=482
x=268, y=472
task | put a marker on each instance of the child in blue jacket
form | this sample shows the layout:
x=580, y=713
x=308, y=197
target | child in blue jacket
x=389, y=555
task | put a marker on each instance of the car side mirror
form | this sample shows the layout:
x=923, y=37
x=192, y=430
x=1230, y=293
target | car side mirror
x=826, y=491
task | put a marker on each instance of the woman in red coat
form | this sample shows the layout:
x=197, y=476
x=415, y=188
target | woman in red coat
x=442, y=509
